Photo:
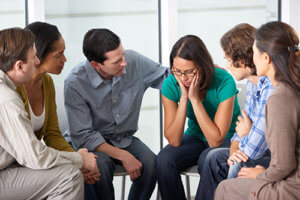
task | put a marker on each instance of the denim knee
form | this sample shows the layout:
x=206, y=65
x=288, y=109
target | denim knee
x=208, y=158
x=164, y=158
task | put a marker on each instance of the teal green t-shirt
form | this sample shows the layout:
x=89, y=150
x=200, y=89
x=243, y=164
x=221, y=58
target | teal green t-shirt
x=222, y=88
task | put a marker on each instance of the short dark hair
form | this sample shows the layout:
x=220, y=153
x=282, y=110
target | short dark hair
x=191, y=47
x=45, y=36
x=281, y=41
x=237, y=45
x=97, y=42
x=14, y=45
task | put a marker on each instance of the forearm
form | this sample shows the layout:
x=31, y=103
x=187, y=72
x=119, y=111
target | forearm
x=210, y=130
x=112, y=151
x=234, y=147
x=57, y=142
x=174, y=131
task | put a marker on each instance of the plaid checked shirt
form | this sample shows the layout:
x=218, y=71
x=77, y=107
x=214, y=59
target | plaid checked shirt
x=254, y=144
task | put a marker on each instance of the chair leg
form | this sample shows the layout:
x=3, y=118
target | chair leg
x=187, y=179
x=123, y=188
x=158, y=197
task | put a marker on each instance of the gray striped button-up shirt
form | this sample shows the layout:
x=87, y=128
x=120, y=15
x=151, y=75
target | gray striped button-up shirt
x=100, y=110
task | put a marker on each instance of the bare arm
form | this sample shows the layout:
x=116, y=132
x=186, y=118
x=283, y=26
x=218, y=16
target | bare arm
x=174, y=119
x=214, y=131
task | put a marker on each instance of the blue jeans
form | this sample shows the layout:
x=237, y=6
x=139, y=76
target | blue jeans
x=142, y=187
x=216, y=170
x=171, y=160
x=234, y=170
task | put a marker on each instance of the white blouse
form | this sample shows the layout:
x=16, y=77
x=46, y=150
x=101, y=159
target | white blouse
x=36, y=121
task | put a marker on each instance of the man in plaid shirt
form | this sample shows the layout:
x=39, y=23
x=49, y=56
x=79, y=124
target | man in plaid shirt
x=248, y=146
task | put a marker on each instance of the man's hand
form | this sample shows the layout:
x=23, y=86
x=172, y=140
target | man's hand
x=237, y=156
x=243, y=126
x=89, y=169
x=132, y=166
x=250, y=172
x=90, y=179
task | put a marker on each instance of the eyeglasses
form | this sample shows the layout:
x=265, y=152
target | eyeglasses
x=187, y=74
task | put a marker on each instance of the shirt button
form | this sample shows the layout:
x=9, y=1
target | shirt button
x=117, y=115
x=252, y=194
x=114, y=100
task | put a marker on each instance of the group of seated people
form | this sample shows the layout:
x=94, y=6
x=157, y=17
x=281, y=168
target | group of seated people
x=248, y=154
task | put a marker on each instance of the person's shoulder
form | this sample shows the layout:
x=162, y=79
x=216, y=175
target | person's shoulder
x=77, y=71
x=170, y=81
x=47, y=78
x=283, y=96
x=9, y=96
x=265, y=83
x=222, y=74
x=132, y=55
x=222, y=77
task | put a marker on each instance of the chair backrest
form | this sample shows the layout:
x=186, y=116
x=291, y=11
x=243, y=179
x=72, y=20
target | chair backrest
x=242, y=94
x=60, y=109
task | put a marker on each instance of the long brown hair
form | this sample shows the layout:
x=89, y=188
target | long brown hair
x=191, y=47
x=281, y=42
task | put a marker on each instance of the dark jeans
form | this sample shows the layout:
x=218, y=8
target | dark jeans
x=89, y=192
x=216, y=170
x=171, y=160
x=142, y=187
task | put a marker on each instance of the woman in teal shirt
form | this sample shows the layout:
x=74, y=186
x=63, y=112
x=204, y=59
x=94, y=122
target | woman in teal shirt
x=206, y=95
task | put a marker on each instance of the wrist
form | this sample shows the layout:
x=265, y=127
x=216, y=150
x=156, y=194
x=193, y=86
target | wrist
x=241, y=135
x=194, y=100
x=183, y=99
x=123, y=155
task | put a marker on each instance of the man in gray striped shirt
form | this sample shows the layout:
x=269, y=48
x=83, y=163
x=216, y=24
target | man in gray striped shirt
x=103, y=97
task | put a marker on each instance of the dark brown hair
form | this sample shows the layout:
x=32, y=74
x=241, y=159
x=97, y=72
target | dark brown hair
x=14, y=45
x=237, y=45
x=45, y=37
x=281, y=41
x=97, y=42
x=191, y=47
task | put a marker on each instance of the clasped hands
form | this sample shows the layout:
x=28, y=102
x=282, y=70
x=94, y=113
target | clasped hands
x=89, y=168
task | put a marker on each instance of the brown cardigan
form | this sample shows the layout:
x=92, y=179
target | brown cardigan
x=50, y=130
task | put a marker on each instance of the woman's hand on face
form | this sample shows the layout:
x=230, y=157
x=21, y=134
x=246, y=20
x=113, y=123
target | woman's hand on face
x=193, y=92
x=183, y=89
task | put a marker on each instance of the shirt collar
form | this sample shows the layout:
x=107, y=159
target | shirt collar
x=95, y=77
x=6, y=80
x=263, y=82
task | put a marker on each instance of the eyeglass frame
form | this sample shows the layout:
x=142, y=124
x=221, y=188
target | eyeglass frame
x=190, y=74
